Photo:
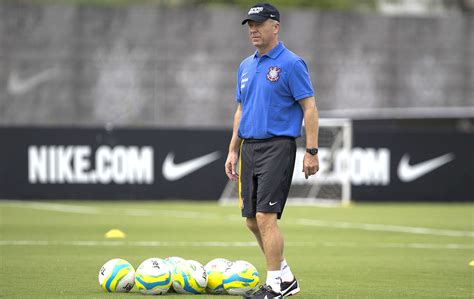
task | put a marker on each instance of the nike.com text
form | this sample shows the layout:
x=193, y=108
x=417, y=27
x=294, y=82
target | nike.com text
x=75, y=164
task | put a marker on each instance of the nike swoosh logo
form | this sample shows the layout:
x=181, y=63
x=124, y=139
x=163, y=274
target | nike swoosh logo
x=19, y=86
x=272, y=203
x=408, y=173
x=173, y=172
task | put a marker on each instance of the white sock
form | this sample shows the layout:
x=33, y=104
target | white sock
x=274, y=280
x=286, y=274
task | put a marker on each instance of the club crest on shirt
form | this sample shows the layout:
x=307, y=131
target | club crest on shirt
x=273, y=73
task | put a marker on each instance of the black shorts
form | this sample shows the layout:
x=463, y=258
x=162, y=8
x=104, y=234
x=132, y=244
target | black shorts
x=266, y=169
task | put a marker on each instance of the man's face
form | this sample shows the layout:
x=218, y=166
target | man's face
x=262, y=34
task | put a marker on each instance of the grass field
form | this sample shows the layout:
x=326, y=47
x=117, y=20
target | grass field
x=365, y=251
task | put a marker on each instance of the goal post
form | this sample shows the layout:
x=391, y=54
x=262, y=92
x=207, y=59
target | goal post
x=332, y=184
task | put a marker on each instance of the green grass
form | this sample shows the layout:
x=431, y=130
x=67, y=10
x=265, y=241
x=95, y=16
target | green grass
x=331, y=253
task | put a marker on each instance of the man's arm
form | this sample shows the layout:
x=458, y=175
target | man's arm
x=310, y=162
x=232, y=157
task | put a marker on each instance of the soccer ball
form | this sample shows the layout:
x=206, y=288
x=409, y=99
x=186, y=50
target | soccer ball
x=117, y=275
x=153, y=277
x=214, y=270
x=240, y=278
x=189, y=277
x=173, y=262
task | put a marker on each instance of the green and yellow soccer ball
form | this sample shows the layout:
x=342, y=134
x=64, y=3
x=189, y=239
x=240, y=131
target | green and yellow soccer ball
x=117, y=275
x=153, y=277
x=189, y=277
x=215, y=269
x=240, y=278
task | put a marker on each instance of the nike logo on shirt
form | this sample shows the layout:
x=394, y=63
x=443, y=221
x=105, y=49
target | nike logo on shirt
x=172, y=171
x=408, y=173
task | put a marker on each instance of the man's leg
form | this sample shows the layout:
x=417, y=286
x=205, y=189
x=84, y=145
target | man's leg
x=253, y=227
x=286, y=274
x=271, y=237
x=272, y=241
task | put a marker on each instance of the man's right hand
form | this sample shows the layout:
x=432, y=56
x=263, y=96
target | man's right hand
x=230, y=166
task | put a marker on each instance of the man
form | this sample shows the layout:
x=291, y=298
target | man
x=274, y=94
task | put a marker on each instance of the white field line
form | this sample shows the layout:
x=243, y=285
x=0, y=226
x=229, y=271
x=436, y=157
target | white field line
x=67, y=208
x=450, y=246
x=128, y=243
x=384, y=228
x=214, y=216
x=36, y=205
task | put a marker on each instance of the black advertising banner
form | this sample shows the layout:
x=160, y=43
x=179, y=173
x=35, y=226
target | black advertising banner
x=70, y=163
x=386, y=163
x=412, y=162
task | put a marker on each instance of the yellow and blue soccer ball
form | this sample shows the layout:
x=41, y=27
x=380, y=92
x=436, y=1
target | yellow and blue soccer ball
x=117, y=275
x=173, y=262
x=240, y=278
x=189, y=277
x=215, y=269
x=153, y=277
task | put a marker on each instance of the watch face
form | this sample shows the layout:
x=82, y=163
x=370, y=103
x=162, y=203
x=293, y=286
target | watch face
x=312, y=151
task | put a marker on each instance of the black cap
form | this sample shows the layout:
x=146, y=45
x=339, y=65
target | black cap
x=261, y=12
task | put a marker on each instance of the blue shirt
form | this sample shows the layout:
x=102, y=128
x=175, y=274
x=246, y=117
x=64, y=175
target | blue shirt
x=268, y=88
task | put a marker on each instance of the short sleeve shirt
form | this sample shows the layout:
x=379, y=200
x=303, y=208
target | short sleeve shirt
x=268, y=88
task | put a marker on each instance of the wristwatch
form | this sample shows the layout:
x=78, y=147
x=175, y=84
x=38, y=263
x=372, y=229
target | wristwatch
x=313, y=151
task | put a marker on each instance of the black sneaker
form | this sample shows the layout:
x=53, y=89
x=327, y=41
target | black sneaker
x=289, y=288
x=265, y=292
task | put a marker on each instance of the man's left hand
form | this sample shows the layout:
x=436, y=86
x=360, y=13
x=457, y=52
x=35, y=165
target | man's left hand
x=310, y=164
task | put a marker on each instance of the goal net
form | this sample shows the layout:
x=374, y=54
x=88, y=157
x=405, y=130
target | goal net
x=332, y=184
